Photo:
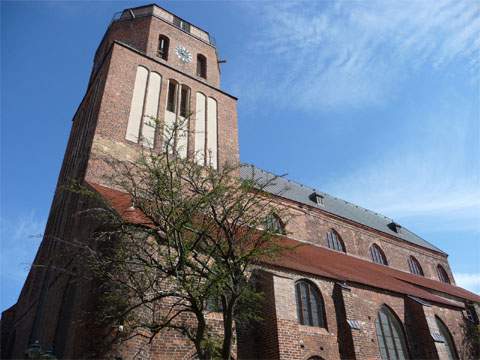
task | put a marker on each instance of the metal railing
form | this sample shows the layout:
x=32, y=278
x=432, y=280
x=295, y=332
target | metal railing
x=181, y=24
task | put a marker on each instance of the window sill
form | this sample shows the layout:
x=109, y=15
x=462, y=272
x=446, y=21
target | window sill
x=312, y=330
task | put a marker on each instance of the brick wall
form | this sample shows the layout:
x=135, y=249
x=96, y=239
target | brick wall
x=115, y=109
x=280, y=336
x=312, y=225
x=295, y=341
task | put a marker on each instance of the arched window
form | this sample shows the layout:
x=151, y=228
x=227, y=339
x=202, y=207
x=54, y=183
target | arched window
x=310, y=309
x=275, y=224
x=447, y=338
x=201, y=66
x=163, y=44
x=442, y=274
x=390, y=336
x=377, y=255
x=415, y=267
x=334, y=241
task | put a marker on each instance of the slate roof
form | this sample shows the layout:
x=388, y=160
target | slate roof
x=297, y=192
x=315, y=260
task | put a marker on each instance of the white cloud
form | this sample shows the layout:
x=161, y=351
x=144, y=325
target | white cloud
x=469, y=281
x=20, y=240
x=330, y=54
x=413, y=184
x=428, y=176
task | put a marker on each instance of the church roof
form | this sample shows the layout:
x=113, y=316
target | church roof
x=312, y=259
x=303, y=194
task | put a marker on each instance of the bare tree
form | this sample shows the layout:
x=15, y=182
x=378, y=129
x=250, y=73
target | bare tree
x=191, y=251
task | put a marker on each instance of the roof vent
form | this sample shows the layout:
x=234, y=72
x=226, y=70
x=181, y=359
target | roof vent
x=394, y=226
x=316, y=198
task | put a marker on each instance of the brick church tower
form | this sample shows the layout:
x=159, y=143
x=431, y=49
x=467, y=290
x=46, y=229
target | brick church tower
x=150, y=63
x=360, y=286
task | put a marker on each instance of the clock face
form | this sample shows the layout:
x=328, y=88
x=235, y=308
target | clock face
x=183, y=54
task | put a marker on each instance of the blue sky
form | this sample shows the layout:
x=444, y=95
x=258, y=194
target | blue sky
x=377, y=103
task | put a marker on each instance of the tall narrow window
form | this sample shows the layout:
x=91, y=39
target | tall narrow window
x=150, y=113
x=415, y=267
x=390, y=335
x=176, y=118
x=310, y=308
x=377, y=255
x=184, y=101
x=201, y=66
x=447, y=339
x=183, y=113
x=136, y=106
x=144, y=107
x=163, y=44
x=212, y=133
x=334, y=241
x=442, y=274
x=200, y=128
x=172, y=96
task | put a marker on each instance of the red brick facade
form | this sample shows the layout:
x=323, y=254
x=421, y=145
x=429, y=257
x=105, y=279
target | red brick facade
x=312, y=225
x=56, y=312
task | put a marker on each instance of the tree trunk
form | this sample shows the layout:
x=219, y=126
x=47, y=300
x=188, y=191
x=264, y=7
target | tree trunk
x=202, y=352
x=228, y=332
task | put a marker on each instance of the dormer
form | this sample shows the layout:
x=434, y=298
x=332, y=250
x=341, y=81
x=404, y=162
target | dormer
x=394, y=227
x=317, y=198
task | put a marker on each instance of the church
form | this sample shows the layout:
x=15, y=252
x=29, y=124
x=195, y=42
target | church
x=361, y=286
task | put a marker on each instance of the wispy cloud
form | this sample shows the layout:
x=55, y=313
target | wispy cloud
x=20, y=239
x=434, y=178
x=330, y=54
x=469, y=281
